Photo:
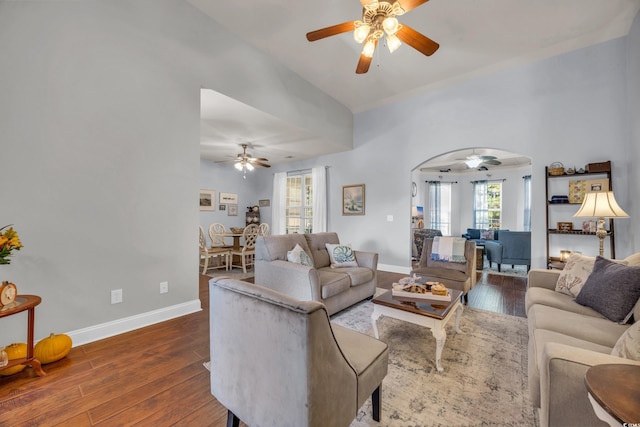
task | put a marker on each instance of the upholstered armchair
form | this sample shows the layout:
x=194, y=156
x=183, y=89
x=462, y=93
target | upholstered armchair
x=278, y=361
x=512, y=247
x=453, y=275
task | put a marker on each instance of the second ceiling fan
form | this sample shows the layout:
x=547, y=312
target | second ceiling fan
x=379, y=20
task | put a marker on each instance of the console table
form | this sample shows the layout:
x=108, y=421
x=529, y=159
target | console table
x=23, y=303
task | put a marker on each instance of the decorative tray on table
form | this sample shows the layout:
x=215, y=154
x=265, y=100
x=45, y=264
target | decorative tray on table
x=422, y=291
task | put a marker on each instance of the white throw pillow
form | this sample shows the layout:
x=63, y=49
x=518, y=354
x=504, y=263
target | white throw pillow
x=628, y=345
x=575, y=273
x=341, y=256
x=299, y=256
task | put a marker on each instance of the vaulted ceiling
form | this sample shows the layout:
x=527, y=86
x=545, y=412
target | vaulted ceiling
x=476, y=37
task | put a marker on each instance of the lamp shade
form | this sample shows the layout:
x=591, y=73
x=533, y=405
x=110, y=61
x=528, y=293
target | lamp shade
x=600, y=204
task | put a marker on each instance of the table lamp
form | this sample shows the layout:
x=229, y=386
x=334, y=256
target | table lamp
x=601, y=205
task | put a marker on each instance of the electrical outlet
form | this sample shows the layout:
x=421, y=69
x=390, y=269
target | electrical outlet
x=164, y=287
x=390, y=218
x=116, y=296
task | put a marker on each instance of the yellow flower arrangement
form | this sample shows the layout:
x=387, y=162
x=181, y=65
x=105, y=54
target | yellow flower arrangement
x=9, y=241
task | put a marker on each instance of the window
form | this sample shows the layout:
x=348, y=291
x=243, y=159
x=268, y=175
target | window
x=527, y=202
x=299, y=200
x=487, y=205
x=440, y=207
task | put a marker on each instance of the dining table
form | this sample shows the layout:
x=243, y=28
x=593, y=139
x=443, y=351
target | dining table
x=236, y=240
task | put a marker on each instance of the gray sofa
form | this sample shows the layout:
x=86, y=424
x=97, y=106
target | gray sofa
x=336, y=288
x=511, y=247
x=565, y=339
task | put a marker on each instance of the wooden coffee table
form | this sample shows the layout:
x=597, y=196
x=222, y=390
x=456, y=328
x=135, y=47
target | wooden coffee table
x=428, y=313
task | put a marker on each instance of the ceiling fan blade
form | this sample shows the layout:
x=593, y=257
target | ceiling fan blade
x=264, y=165
x=365, y=61
x=262, y=159
x=492, y=162
x=331, y=31
x=417, y=41
x=407, y=5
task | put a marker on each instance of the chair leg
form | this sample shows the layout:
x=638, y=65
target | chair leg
x=375, y=403
x=232, y=420
x=499, y=265
x=466, y=299
x=244, y=264
x=206, y=264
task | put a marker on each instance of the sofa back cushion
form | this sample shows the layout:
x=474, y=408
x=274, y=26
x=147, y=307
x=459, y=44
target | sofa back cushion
x=628, y=345
x=316, y=242
x=275, y=247
x=473, y=233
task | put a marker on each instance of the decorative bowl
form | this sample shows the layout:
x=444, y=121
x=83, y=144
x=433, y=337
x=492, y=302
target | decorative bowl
x=237, y=230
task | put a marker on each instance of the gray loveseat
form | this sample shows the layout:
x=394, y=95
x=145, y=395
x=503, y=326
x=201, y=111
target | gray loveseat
x=336, y=288
x=565, y=339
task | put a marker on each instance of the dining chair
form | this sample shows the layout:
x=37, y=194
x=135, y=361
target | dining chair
x=221, y=255
x=216, y=234
x=264, y=229
x=247, y=252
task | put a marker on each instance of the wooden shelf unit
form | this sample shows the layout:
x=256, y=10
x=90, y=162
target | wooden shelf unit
x=550, y=206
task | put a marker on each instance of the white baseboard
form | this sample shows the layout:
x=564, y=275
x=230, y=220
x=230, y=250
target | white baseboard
x=394, y=268
x=120, y=326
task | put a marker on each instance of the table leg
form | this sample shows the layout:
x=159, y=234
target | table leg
x=374, y=318
x=459, y=311
x=34, y=363
x=441, y=336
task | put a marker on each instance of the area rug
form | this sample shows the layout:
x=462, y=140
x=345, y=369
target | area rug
x=235, y=273
x=484, y=382
x=506, y=269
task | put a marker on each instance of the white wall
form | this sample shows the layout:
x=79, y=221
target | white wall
x=100, y=152
x=633, y=148
x=571, y=108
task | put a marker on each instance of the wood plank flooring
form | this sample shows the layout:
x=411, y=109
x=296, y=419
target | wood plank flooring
x=154, y=376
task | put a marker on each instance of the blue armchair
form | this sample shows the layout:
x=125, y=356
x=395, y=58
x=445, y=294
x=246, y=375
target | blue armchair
x=512, y=247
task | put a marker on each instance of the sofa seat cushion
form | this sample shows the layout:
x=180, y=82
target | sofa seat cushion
x=555, y=299
x=333, y=283
x=357, y=275
x=537, y=342
x=442, y=273
x=597, y=330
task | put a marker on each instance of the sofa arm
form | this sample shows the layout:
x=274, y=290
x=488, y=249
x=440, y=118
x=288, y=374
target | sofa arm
x=367, y=259
x=563, y=395
x=466, y=236
x=299, y=281
x=541, y=278
x=493, y=250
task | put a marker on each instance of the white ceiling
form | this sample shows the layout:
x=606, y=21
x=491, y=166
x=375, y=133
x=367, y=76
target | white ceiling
x=476, y=37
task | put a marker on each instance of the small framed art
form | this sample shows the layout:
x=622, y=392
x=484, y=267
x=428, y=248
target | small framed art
x=353, y=199
x=229, y=198
x=233, y=210
x=565, y=226
x=597, y=185
x=207, y=200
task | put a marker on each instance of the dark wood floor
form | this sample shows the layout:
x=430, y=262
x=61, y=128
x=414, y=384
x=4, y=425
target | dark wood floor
x=154, y=376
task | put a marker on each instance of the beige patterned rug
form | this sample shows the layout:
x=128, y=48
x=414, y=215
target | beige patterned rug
x=484, y=382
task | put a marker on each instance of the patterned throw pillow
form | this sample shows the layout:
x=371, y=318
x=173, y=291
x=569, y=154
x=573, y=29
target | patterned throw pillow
x=575, y=273
x=612, y=289
x=486, y=235
x=628, y=345
x=341, y=256
x=299, y=256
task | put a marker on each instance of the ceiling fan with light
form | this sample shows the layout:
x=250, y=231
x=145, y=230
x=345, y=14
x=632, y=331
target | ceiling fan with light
x=244, y=162
x=474, y=160
x=379, y=20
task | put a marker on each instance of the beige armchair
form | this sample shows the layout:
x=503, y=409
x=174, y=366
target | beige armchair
x=452, y=274
x=278, y=361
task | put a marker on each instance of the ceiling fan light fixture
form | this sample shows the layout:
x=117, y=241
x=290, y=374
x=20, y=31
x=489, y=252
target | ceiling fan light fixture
x=473, y=162
x=369, y=47
x=238, y=166
x=390, y=25
x=249, y=166
x=361, y=32
x=371, y=5
x=393, y=42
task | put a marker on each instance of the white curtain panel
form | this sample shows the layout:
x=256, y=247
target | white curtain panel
x=279, y=207
x=319, y=188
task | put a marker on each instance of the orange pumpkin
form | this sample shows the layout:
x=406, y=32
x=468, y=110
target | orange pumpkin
x=14, y=351
x=52, y=348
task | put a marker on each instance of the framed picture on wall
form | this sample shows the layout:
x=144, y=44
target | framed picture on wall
x=228, y=198
x=233, y=210
x=223, y=207
x=353, y=199
x=207, y=200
